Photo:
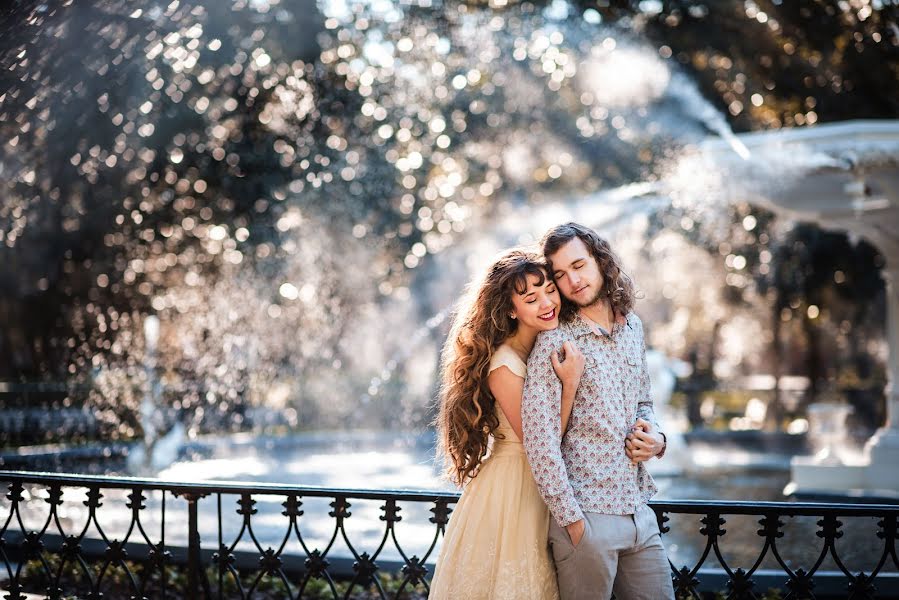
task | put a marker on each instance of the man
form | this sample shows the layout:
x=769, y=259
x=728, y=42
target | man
x=603, y=536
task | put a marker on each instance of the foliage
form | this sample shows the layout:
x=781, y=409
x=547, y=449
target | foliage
x=268, y=178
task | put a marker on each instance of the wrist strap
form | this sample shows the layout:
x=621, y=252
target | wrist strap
x=664, y=445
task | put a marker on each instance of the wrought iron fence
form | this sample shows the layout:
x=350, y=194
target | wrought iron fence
x=46, y=551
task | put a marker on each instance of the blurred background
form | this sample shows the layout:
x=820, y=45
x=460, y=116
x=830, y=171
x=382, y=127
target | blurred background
x=232, y=232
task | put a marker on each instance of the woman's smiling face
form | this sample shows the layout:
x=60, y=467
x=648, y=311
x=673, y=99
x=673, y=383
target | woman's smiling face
x=537, y=306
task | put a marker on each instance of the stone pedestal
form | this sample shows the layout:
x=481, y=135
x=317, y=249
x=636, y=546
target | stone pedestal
x=809, y=477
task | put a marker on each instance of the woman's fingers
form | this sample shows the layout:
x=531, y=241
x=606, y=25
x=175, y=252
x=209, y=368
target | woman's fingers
x=643, y=424
x=641, y=436
x=571, y=350
x=574, y=355
x=634, y=442
x=568, y=363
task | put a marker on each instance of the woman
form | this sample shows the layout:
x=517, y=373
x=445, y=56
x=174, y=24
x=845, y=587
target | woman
x=495, y=546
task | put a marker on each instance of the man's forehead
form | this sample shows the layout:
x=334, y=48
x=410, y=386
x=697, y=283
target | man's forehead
x=574, y=252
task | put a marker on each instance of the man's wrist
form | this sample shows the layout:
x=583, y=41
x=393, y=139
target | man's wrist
x=661, y=452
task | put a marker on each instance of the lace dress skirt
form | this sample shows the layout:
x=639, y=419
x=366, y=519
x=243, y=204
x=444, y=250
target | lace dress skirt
x=495, y=546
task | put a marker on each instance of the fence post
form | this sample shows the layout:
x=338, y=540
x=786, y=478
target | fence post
x=195, y=573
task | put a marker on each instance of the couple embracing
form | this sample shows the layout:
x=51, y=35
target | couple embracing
x=546, y=419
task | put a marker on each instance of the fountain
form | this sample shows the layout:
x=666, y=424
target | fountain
x=157, y=447
x=845, y=177
x=238, y=181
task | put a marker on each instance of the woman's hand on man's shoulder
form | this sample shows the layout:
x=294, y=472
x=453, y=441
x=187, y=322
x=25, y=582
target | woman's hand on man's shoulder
x=547, y=341
x=568, y=363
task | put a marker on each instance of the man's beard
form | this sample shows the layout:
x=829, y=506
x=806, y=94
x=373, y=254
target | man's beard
x=592, y=301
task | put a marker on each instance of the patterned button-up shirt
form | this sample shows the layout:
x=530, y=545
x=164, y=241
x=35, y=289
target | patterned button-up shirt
x=588, y=469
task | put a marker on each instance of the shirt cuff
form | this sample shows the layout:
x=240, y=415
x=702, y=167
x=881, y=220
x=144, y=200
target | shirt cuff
x=569, y=514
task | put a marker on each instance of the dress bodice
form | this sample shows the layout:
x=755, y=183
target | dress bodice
x=505, y=429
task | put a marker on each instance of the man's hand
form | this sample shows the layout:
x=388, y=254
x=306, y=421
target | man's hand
x=642, y=443
x=576, y=531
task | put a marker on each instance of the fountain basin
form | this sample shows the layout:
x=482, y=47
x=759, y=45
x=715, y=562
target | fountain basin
x=859, y=482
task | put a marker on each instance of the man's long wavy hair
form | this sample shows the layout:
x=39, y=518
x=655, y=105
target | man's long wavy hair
x=617, y=285
x=466, y=417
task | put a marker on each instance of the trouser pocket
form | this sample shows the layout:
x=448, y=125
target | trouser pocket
x=563, y=549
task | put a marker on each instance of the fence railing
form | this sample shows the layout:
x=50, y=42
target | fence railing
x=55, y=542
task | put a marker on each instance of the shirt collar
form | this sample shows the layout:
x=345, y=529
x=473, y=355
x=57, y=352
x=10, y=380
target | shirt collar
x=583, y=326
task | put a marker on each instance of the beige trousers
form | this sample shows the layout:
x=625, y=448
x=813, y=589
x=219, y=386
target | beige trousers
x=620, y=553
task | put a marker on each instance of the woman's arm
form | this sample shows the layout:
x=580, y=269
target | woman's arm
x=569, y=370
x=507, y=388
x=568, y=393
x=540, y=412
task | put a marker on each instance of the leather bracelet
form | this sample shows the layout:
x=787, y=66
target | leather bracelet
x=664, y=446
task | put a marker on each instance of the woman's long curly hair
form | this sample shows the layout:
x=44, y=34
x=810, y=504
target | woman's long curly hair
x=466, y=416
x=617, y=285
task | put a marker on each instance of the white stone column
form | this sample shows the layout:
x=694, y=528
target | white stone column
x=883, y=448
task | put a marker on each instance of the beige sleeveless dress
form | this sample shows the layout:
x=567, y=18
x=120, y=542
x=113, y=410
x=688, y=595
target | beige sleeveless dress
x=495, y=547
